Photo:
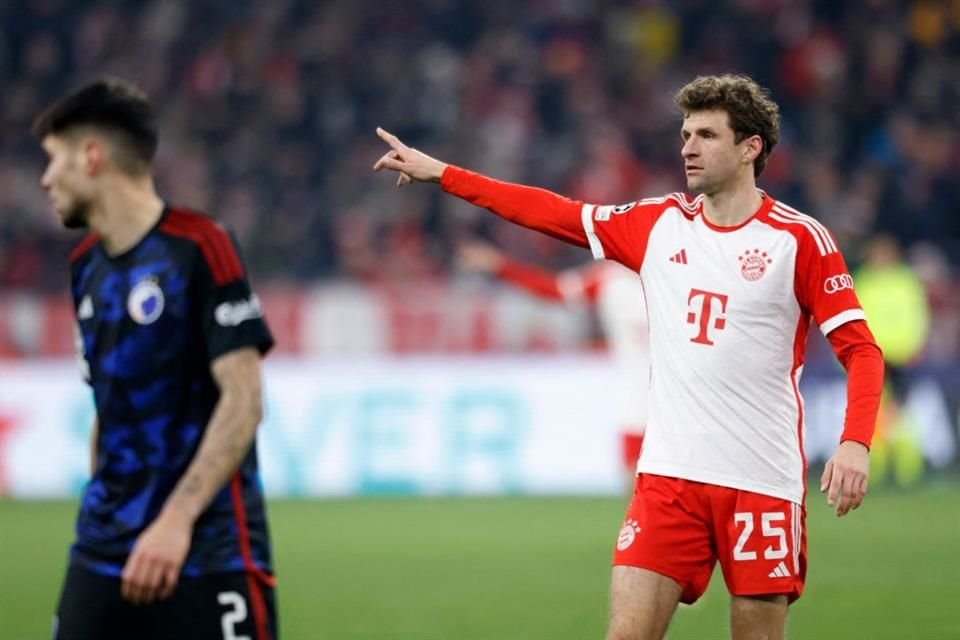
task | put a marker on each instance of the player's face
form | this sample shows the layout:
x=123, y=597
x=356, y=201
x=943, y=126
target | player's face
x=712, y=160
x=66, y=180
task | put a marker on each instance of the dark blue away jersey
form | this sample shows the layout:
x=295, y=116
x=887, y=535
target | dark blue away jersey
x=150, y=322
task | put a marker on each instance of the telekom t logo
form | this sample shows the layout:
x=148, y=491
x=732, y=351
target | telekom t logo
x=704, y=310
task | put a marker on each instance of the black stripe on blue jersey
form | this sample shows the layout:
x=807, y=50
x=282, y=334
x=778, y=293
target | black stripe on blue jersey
x=150, y=322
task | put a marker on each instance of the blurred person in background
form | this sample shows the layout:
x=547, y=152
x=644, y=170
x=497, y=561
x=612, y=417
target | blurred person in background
x=617, y=296
x=171, y=537
x=895, y=302
x=733, y=279
x=865, y=85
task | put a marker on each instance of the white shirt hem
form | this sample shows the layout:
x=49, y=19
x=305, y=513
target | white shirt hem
x=707, y=477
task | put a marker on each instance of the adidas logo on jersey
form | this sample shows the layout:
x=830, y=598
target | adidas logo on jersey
x=680, y=258
x=780, y=571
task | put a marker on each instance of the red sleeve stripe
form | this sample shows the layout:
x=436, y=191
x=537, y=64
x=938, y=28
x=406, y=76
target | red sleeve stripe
x=214, y=243
x=822, y=230
x=212, y=252
x=690, y=205
x=820, y=234
x=88, y=242
x=213, y=240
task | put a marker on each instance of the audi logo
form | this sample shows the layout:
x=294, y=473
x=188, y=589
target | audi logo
x=838, y=283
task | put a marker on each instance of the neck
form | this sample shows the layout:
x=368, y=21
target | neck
x=731, y=207
x=128, y=209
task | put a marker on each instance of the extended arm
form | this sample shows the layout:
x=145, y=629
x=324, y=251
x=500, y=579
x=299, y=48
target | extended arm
x=530, y=207
x=846, y=475
x=538, y=282
x=479, y=256
x=154, y=565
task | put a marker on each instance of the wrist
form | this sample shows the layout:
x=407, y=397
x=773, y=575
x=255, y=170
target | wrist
x=178, y=515
x=865, y=446
x=441, y=169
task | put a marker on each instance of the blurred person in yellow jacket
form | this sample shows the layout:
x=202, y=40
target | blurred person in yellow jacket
x=895, y=302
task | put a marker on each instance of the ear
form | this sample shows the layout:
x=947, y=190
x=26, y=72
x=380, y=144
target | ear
x=752, y=147
x=94, y=156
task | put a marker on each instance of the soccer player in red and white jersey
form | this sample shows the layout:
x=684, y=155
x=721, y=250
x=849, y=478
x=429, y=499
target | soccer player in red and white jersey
x=733, y=279
x=617, y=295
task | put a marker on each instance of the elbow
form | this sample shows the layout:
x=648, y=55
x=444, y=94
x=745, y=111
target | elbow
x=256, y=412
x=254, y=407
x=244, y=404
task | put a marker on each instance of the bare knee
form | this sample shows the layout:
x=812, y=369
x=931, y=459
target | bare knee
x=758, y=617
x=641, y=604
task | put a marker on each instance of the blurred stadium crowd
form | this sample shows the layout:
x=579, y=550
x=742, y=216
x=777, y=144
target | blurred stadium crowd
x=268, y=111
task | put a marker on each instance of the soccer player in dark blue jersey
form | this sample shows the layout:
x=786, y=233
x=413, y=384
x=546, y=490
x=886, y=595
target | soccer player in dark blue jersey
x=171, y=538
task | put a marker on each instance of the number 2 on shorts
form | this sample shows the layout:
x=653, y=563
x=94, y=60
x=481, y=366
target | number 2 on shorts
x=767, y=529
x=237, y=613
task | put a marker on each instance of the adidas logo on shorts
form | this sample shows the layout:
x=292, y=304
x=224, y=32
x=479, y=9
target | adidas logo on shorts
x=780, y=571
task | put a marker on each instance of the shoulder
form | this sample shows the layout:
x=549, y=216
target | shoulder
x=192, y=225
x=210, y=237
x=809, y=232
x=653, y=207
x=83, y=247
x=690, y=206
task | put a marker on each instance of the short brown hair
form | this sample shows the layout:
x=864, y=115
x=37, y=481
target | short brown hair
x=748, y=106
x=114, y=106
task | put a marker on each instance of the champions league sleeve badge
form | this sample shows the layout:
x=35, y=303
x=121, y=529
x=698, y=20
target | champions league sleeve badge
x=145, y=302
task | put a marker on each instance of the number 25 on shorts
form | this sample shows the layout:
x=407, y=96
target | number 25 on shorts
x=768, y=529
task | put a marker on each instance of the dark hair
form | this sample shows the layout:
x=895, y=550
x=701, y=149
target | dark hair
x=114, y=106
x=748, y=105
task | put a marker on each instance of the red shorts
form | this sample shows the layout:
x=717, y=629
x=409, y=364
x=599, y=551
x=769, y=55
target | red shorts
x=679, y=528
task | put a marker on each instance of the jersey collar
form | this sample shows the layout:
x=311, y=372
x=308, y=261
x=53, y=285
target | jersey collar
x=765, y=205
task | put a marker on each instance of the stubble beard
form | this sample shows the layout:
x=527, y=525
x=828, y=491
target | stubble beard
x=701, y=186
x=76, y=216
x=709, y=185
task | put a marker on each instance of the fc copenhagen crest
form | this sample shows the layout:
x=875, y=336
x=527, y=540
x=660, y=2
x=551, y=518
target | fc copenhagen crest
x=145, y=302
x=753, y=264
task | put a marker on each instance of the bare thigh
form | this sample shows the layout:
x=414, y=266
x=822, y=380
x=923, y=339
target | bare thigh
x=641, y=604
x=758, y=617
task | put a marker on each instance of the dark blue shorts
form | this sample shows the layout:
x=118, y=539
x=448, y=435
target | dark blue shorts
x=220, y=605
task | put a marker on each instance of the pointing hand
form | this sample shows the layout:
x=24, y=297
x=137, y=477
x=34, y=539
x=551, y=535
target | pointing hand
x=408, y=162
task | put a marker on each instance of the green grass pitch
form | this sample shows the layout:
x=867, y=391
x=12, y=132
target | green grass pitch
x=530, y=568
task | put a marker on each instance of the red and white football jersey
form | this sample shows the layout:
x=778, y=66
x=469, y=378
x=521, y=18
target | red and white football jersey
x=729, y=309
x=617, y=294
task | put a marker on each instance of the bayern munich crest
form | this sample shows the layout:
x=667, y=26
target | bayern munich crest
x=753, y=264
x=145, y=302
x=627, y=534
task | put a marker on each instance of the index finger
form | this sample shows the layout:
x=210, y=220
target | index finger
x=129, y=585
x=836, y=486
x=390, y=139
x=827, y=476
